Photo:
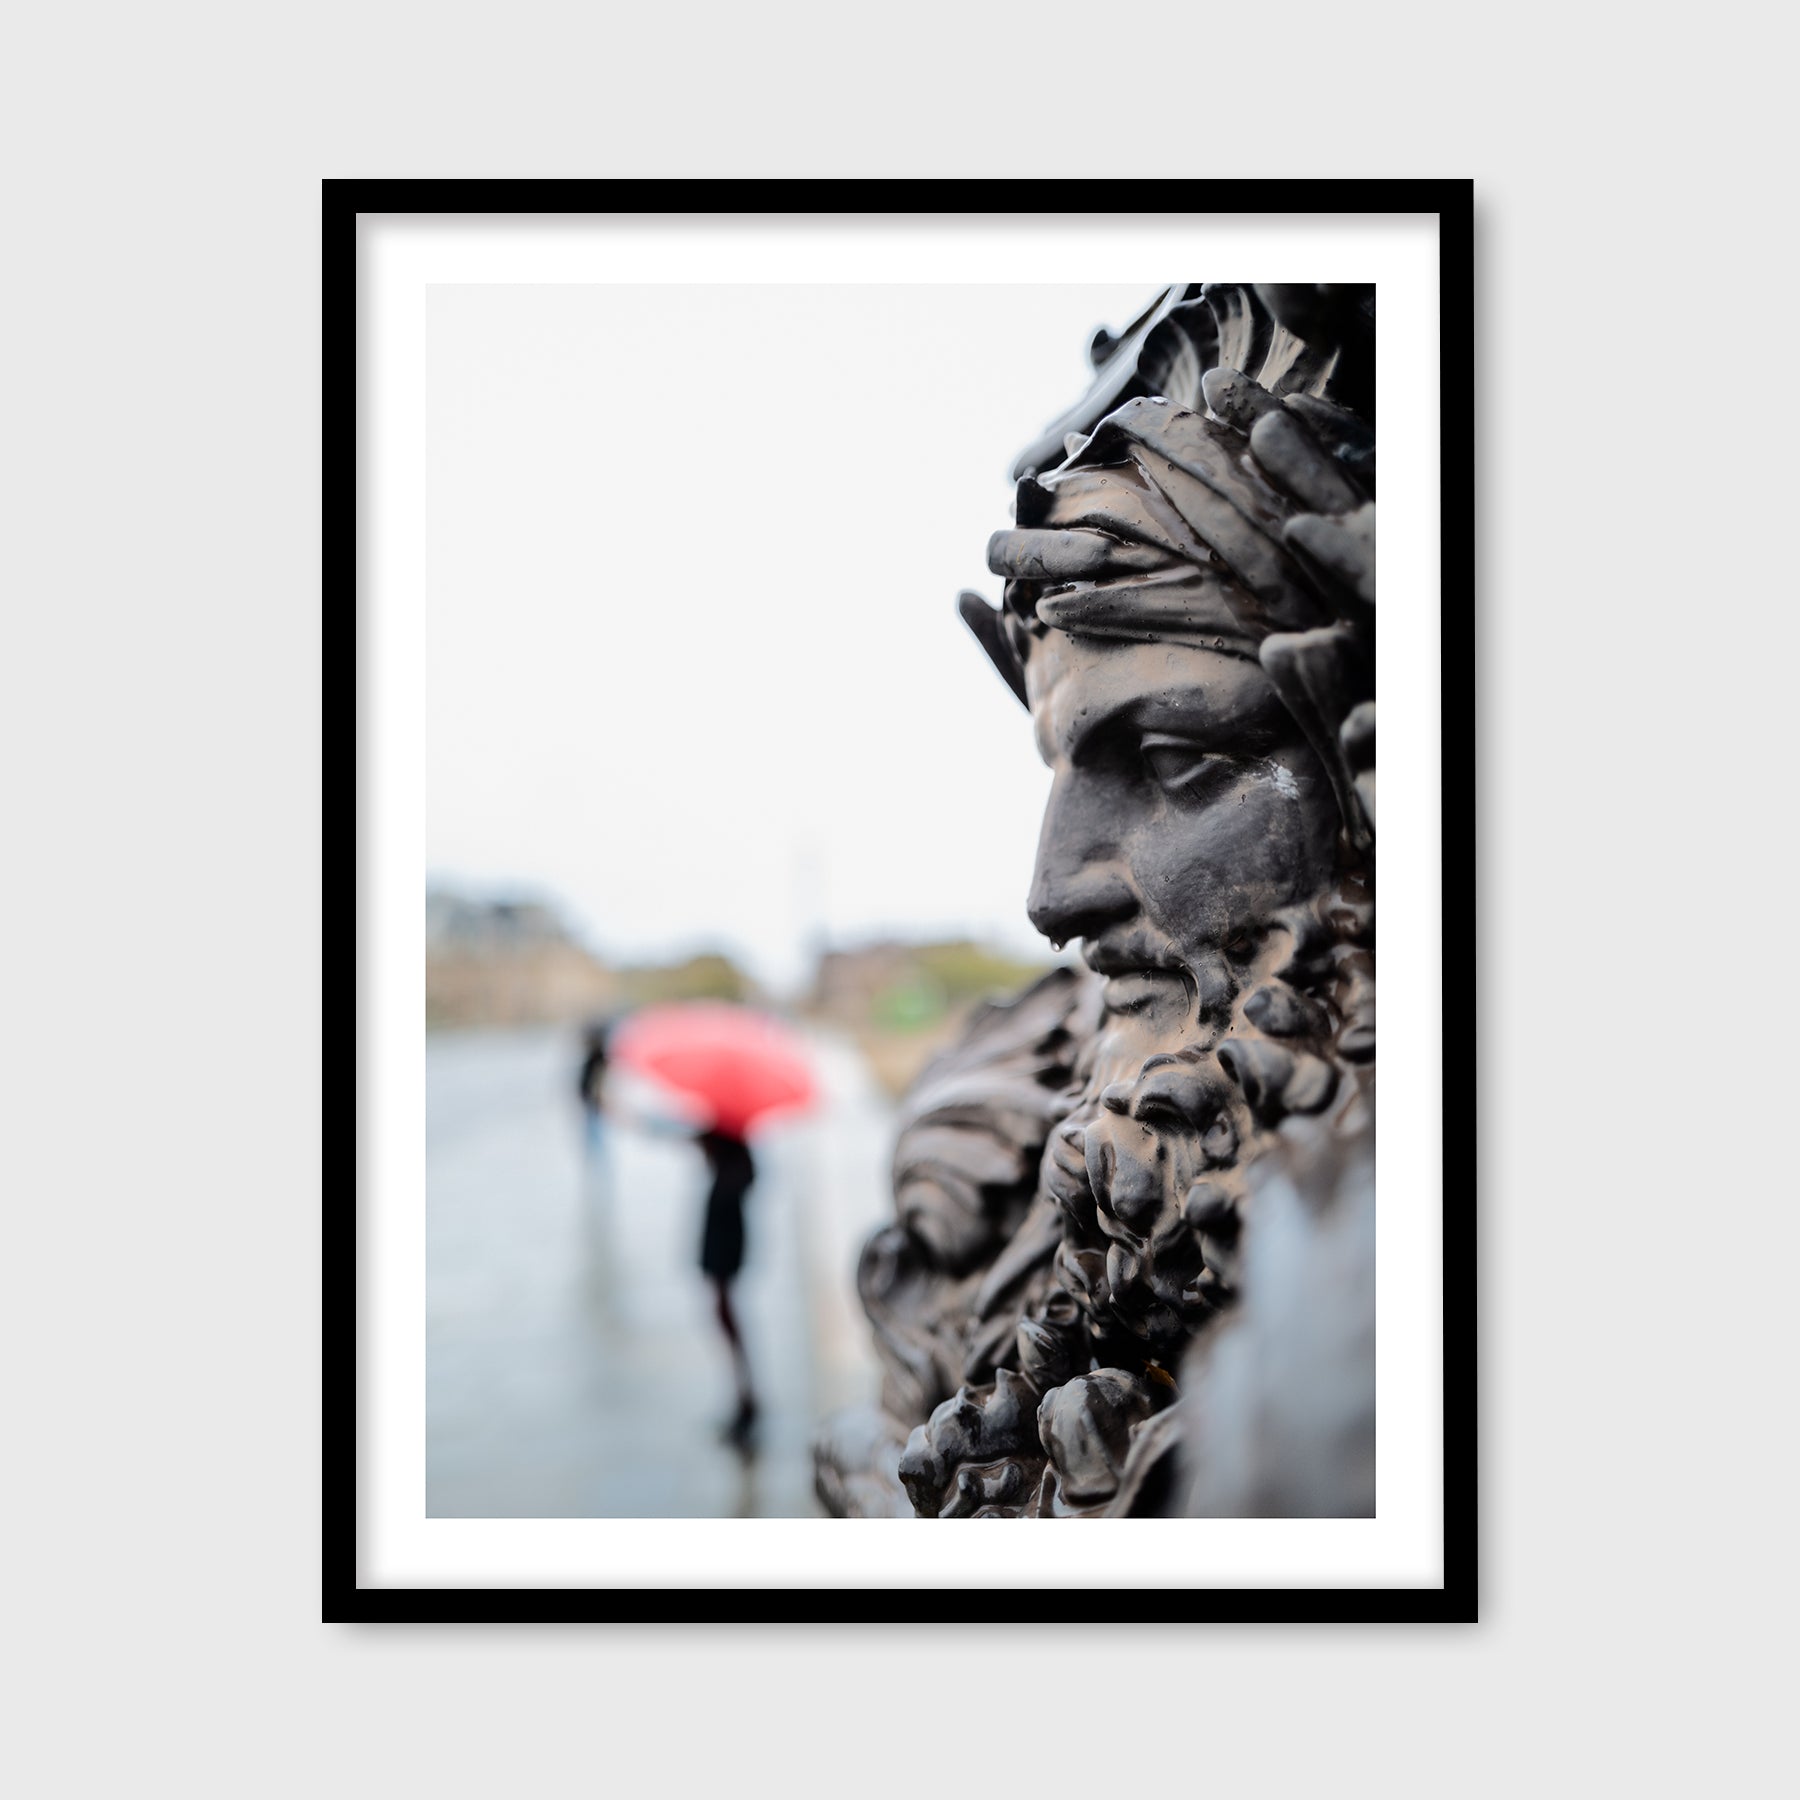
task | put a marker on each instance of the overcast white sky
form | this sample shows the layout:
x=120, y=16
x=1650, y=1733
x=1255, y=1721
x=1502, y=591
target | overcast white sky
x=695, y=668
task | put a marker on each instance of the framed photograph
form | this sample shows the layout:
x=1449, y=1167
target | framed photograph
x=865, y=861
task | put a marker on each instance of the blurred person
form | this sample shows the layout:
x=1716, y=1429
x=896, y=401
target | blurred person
x=722, y=1255
x=590, y=1086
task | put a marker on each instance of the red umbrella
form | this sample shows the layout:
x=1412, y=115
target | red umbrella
x=739, y=1065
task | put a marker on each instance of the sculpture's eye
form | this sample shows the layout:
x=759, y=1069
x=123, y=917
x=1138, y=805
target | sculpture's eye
x=1183, y=768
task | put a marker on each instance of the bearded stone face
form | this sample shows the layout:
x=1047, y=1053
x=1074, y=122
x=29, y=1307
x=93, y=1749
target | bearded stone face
x=1187, y=673
x=1186, y=811
x=1189, y=824
x=1195, y=844
x=1189, y=618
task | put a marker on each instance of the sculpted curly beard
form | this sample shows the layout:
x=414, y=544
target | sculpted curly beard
x=1148, y=1176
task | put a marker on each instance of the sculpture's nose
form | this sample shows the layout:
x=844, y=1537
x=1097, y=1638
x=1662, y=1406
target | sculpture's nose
x=1080, y=884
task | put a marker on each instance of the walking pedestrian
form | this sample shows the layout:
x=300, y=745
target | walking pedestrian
x=722, y=1255
x=591, y=1087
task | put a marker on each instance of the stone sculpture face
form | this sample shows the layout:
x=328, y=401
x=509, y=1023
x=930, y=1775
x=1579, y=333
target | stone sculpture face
x=1186, y=810
x=1189, y=617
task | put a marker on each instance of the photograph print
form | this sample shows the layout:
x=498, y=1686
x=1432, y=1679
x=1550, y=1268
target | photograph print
x=900, y=925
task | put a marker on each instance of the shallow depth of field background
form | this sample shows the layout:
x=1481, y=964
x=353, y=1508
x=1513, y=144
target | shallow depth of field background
x=703, y=723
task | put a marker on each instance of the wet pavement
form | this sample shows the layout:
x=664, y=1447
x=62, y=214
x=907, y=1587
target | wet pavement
x=574, y=1365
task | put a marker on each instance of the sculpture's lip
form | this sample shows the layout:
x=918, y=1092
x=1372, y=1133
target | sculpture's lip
x=1138, y=988
x=1124, y=956
x=1137, y=973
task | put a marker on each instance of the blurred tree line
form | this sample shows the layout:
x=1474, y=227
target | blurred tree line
x=903, y=1002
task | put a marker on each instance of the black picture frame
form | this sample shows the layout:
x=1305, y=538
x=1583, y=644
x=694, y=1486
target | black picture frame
x=344, y=204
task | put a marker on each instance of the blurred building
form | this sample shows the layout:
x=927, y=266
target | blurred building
x=516, y=962
x=507, y=962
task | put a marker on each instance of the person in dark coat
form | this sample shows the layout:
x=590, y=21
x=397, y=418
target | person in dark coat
x=590, y=1085
x=722, y=1254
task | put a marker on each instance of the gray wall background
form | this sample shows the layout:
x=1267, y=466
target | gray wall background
x=160, y=738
